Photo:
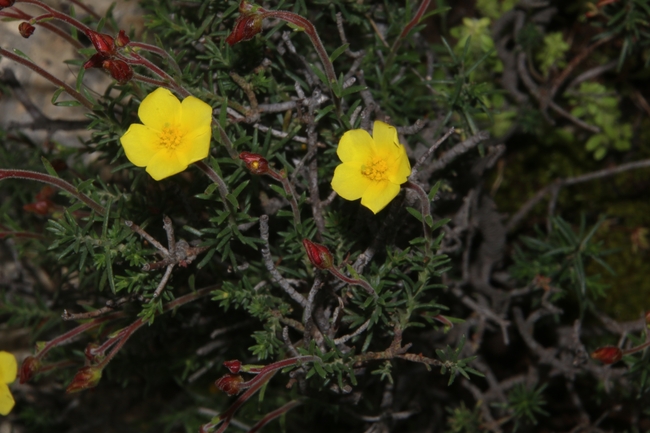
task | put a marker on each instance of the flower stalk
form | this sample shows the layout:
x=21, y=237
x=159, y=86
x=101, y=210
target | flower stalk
x=320, y=256
x=251, y=387
x=54, y=181
x=249, y=24
x=257, y=164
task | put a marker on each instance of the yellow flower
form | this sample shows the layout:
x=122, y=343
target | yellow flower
x=8, y=370
x=373, y=168
x=174, y=135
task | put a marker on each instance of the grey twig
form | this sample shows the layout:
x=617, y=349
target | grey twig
x=270, y=266
x=539, y=195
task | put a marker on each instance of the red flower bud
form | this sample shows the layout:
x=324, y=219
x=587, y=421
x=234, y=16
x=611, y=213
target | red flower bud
x=607, y=354
x=6, y=3
x=26, y=29
x=119, y=70
x=86, y=377
x=254, y=162
x=103, y=43
x=647, y=318
x=234, y=366
x=246, y=27
x=122, y=39
x=230, y=383
x=29, y=368
x=95, y=61
x=319, y=255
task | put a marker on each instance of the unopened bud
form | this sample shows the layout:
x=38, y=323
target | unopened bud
x=103, y=43
x=230, y=383
x=86, y=378
x=122, y=39
x=607, y=354
x=246, y=27
x=257, y=164
x=26, y=29
x=6, y=3
x=647, y=318
x=233, y=366
x=95, y=61
x=119, y=70
x=29, y=368
x=319, y=255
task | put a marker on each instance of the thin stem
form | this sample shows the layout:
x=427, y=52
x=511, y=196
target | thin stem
x=140, y=322
x=265, y=374
x=157, y=50
x=416, y=19
x=288, y=188
x=270, y=266
x=21, y=15
x=274, y=414
x=221, y=185
x=58, y=15
x=54, y=181
x=425, y=156
x=367, y=287
x=310, y=30
x=69, y=336
x=51, y=78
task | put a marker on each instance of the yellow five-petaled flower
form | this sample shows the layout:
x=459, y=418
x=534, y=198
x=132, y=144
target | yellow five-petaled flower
x=8, y=371
x=173, y=135
x=373, y=168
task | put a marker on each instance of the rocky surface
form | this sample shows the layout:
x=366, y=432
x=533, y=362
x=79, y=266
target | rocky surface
x=50, y=52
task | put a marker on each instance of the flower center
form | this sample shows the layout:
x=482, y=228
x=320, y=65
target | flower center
x=375, y=169
x=170, y=137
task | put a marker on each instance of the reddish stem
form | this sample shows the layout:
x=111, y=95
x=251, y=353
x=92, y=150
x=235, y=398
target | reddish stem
x=255, y=384
x=69, y=336
x=51, y=78
x=338, y=274
x=54, y=181
x=21, y=15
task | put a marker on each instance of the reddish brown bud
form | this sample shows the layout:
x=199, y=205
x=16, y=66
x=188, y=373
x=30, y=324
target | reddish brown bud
x=103, y=43
x=607, y=354
x=319, y=255
x=246, y=27
x=647, y=318
x=230, y=383
x=86, y=377
x=29, y=368
x=6, y=3
x=95, y=61
x=119, y=70
x=254, y=162
x=26, y=29
x=122, y=39
x=233, y=366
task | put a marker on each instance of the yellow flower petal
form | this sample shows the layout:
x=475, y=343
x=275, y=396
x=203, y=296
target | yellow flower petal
x=159, y=109
x=379, y=194
x=8, y=367
x=195, y=114
x=195, y=145
x=401, y=170
x=355, y=145
x=140, y=144
x=6, y=400
x=385, y=136
x=165, y=163
x=348, y=182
